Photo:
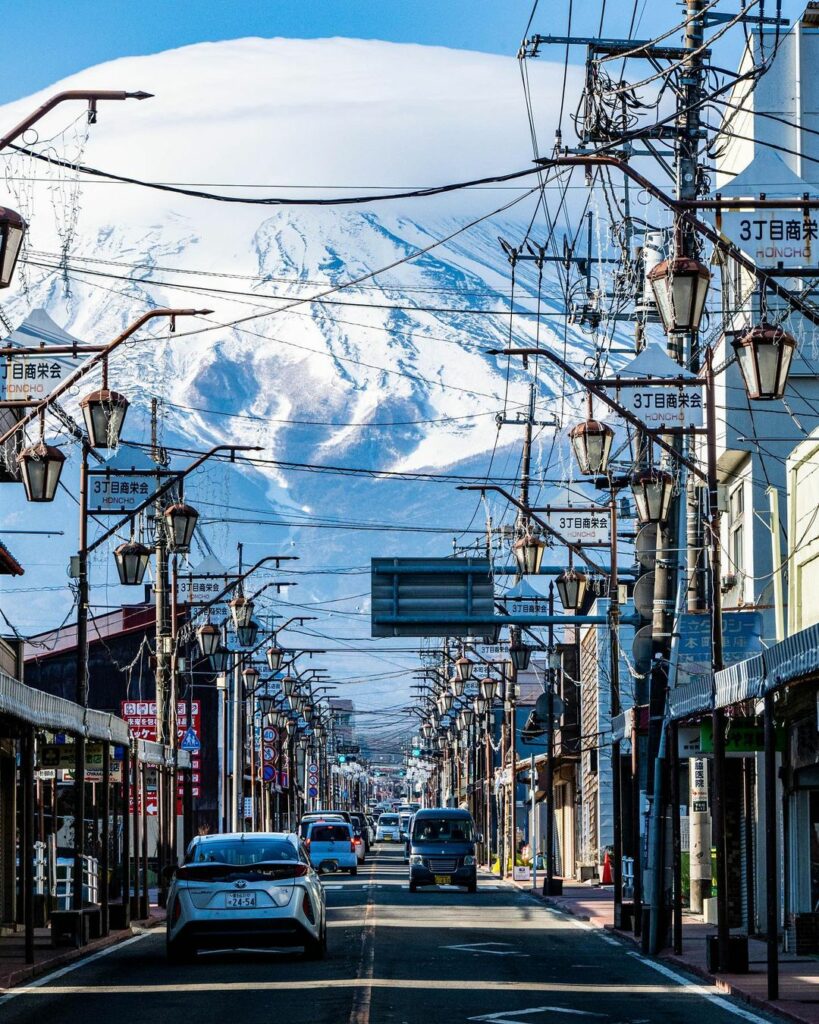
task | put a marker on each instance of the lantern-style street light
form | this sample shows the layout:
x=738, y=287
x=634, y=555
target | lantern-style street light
x=520, y=654
x=456, y=684
x=40, y=467
x=591, y=443
x=241, y=610
x=289, y=685
x=208, y=636
x=104, y=413
x=489, y=688
x=12, y=232
x=250, y=675
x=220, y=660
x=528, y=551
x=480, y=704
x=247, y=634
x=680, y=287
x=464, y=668
x=653, y=490
x=274, y=658
x=572, y=586
x=180, y=522
x=132, y=560
x=764, y=355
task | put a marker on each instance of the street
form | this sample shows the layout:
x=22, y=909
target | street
x=394, y=958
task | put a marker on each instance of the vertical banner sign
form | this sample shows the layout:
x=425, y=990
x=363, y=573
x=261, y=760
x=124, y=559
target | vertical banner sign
x=141, y=718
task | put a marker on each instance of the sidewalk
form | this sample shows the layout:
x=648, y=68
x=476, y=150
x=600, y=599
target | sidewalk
x=15, y=971
x=798, y=976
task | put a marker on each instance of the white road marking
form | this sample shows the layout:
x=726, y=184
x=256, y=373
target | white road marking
x=505, y=1016
x=362, y=997
x=46, y=979
x=610, y=940
x=481, y=947
x=722, y=1003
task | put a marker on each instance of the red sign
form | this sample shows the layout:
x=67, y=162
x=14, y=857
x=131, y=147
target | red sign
x=141, y=718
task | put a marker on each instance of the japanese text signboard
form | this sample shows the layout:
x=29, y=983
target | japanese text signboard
x=141, y=718
x=582, y=527
x=741, y=633
x=659, y=407
x=27, y=378
x=774, y=237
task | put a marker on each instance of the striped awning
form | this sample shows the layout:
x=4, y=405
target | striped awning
x=46, y=711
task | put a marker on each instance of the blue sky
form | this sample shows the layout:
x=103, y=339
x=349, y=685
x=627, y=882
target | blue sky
x=55, y=38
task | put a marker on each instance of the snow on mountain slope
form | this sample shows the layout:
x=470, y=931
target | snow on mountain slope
x=404, y=347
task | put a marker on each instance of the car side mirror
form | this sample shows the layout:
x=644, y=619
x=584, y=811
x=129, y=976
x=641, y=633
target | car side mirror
x=479, y=837
x=168, y=873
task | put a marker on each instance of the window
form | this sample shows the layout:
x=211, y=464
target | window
x=242, y=853
x=442, y=830
x=329, y=833
x=736, y=502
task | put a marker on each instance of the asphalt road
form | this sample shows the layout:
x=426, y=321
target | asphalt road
x=434, y=957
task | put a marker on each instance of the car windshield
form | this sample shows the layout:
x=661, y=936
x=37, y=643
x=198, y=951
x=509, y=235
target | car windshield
x=388, y=819
x=329, y=833
x=443, y=830
x=241, y=853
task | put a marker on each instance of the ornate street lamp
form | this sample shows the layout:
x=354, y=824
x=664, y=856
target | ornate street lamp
x=464, y=667
x=12, y=231
x=480, y=704
x=456, y=684
x=445, y=703
x=680, y=287
x=241, y=610
x=653, y=490
x=572, y=586
x=467, y=715
x=289, y=685
x=40, y=467
x=180, y=522
x=220, y=660
x=764, y=355
x=307, y=713
x=208, y=636
x=248, y=634
x=528, y=551
x=520, y=654
x=274, y=658
x=266, y=702
x=250, y=676
x=591, y=443
x=104, y=413
x=489, y=688
x=132, y=560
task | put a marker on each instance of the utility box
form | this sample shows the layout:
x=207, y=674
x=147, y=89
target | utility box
x=737, y=955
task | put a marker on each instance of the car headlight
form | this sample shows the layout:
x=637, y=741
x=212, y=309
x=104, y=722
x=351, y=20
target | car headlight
x=469, y=861
x=416, y=859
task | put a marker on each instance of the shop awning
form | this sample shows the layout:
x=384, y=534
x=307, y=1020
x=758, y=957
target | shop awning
x=46, y=711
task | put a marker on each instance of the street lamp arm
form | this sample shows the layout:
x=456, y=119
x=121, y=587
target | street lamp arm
x=683, y=211
x=576, y=548
x=95, y=360
x=164, y=489
x=91, y=95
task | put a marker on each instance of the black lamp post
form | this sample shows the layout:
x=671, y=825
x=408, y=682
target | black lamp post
x=132, y=560
x=764, y=355
x=12, y=232
x=40, y=467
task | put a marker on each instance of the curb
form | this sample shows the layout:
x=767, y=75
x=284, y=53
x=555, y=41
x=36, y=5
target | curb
x=32, y=971
x=722, y=986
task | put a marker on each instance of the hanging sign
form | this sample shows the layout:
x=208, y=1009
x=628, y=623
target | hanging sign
x=582, y=527
x=660, y=407
x=205, y=581
x=123, y=482
x=31, y=378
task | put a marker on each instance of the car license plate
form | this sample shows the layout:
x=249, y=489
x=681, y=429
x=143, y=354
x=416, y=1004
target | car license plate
x=443, y=879
x=240, y=899
x=387, y=839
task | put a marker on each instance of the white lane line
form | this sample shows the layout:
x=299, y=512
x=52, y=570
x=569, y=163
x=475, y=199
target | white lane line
x=504, y=1016
x=363, y=995
x=46, y=979
x=610, y=941
x=722, y=1003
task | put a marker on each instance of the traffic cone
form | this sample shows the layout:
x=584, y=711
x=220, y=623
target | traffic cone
x=607, y=879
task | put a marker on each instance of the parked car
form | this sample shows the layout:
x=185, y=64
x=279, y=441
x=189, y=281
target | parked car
x=360, y=824
x=245, y=890
x=331, y=846
x=403, y=824
x=388, y=830
x=442, y=849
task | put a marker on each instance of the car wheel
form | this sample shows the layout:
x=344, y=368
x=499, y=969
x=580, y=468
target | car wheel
x=353, y=871
x=413, y=887
x=472, y=887
x=316, y=949
x=178, y=953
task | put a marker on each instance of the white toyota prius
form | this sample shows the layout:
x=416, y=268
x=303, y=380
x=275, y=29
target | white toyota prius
x=245, y=890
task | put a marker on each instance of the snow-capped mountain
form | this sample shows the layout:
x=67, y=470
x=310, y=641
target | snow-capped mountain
x=343, y=336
